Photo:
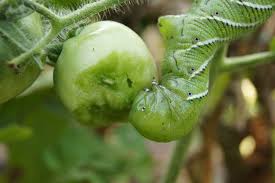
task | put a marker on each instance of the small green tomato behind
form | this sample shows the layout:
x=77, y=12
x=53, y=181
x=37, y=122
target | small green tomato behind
x=13, y=83
x=100, y=71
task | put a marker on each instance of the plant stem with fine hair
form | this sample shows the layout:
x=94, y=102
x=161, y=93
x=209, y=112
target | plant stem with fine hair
x=177, y=159
x=242, y=62
x=58, y=23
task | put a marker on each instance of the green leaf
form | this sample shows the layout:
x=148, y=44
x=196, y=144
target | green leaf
x=129, y=144
x=14, y=133
x=272, y=44
x=13, y=9
x=61, y=151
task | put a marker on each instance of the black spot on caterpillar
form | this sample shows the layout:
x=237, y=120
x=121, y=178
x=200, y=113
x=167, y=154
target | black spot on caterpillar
x=171, y=108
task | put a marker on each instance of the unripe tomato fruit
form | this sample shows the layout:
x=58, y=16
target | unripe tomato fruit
x=11, y=82
x=101, y=70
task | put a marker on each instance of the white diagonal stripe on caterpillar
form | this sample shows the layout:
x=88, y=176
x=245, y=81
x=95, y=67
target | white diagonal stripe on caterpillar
x=202, y=67
x=207, y=42
x=253, y=5
x=230, y=22
x=199, y=95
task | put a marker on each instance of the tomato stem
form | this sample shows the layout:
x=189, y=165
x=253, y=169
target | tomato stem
x=177, y=159
x=91, y=10
x=42, y=10
x=242, y=62
x=60, y=22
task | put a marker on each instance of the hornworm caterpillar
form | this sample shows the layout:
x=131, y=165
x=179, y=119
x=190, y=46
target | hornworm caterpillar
x=170, y=109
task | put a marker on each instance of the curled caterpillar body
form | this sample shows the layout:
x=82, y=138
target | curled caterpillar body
x=171, y=108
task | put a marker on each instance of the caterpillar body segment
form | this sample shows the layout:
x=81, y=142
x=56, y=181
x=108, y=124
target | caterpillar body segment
x=170, y=109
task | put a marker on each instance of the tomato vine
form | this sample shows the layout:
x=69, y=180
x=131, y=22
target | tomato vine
x=58, y=23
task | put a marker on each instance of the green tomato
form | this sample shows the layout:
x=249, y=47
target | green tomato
x=11, y=82
x=101, y=70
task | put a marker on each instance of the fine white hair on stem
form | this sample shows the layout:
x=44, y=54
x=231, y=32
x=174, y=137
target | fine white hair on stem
x=118, y=8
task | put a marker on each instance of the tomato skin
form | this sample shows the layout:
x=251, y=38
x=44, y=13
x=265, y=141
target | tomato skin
x=13, y=83
x=100, y=71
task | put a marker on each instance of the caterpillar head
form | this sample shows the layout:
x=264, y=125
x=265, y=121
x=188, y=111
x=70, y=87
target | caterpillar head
x=170, y=26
